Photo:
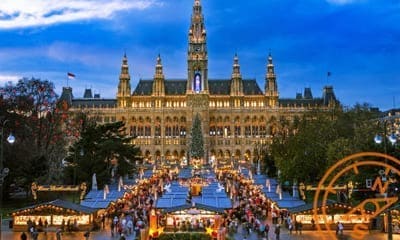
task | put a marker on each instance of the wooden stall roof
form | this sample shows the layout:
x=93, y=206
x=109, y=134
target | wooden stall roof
x=59, y=204
x=195, y=206
x=308, y=208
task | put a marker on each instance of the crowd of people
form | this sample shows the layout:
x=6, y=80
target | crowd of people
x=250, y=208
x=129, y=215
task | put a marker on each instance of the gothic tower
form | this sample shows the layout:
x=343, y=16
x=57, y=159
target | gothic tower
x=124, y=86
x=197, y=81
x=271, y=87
x=236, y=79
x=158, y=83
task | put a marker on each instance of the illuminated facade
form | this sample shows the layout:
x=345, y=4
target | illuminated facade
x=236, y=114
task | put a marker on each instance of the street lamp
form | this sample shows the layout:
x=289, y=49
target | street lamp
x=3, y=171
x=393, y=139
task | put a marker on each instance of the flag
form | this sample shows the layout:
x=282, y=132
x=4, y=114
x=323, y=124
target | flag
x=329, y=74
x=71, y=75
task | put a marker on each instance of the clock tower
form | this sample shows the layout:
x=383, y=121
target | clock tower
x=197, y=81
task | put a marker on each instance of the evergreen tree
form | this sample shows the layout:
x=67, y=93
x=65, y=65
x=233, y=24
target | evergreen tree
x=101, y=149
x=197, y=144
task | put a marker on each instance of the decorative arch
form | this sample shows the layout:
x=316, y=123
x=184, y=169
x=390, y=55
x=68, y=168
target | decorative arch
x=147, y=153
x=212, y=152
x=247, y=155
x=237, y=153
x=182, y=154
x=227, y=154
x=175, y=156
x=220, y=154
x=212, y=119
x=247, y=119
x=157, y=156
x=226, y=119
x=168, y=155
x=237, y=120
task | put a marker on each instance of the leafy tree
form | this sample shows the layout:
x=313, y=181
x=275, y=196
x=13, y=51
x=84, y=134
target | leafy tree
x=197, y=144
x=30, y=106
x=102, y=149
x=320, y=139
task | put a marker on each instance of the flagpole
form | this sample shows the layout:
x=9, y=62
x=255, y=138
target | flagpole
x=70, y=76
x=328, y=74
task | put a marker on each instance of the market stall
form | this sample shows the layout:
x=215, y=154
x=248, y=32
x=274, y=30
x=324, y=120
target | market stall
x=57, y=213
x=336, y=212
x=196, y=217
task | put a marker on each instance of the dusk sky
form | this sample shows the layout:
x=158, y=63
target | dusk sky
x=358, y=41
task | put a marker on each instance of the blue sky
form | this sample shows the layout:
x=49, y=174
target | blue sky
x=356, y=40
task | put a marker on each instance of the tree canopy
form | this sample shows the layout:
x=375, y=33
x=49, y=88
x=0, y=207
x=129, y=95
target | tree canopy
x=102, y=149
x=30, y=106
x=305, y=150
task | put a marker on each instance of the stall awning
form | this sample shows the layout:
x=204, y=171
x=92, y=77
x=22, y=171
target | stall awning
x=308, y=208
x=194, y=206
x=57, y=205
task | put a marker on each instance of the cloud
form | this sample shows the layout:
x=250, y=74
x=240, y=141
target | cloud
x=35, y=13
x=6, y=78
x=342, y=2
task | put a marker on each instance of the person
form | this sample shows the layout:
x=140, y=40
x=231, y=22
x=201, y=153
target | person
x=87, y=235
x=63, y=225
x=337, y=228
x=103, y=221
x=266, y=230
x=277, y=231
x=46, y=225
x=340, y=228
x=23, y=236
x=35, y=234
x=122, y=237
x=58, y=234
x=69, y=226
x=312, y=224
x=112, y=228
x=300, y=227
x=290, y=228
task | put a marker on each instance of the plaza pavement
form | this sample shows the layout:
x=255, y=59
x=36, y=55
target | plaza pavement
x=8, y=234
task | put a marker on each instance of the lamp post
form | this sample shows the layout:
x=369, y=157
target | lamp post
x=3, y=171
x=393, y=139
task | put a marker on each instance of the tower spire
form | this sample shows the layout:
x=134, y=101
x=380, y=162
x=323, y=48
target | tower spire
x=124, y=86
x=271, y=87
x=236, y=79
x=197, y=53
x=158, y=83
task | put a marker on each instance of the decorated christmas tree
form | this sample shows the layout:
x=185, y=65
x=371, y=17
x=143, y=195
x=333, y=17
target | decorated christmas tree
x=197, y=144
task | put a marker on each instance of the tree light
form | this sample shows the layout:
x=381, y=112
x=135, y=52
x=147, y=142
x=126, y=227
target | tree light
x=11, y=139
x=378, y=139
x=393, y=138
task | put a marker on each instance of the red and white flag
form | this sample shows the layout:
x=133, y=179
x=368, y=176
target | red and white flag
x=71, y=75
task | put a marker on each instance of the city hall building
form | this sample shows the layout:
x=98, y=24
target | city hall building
x=237, y=115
